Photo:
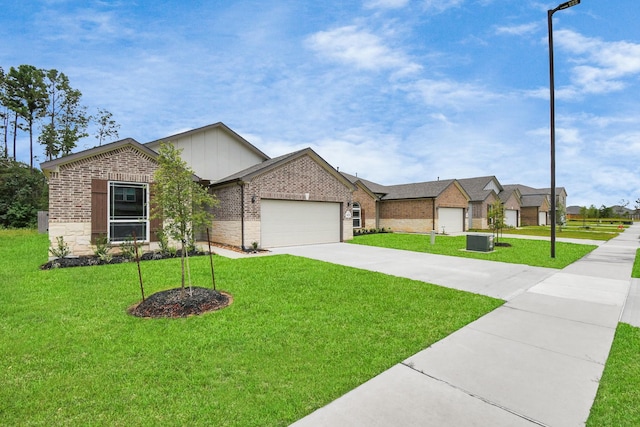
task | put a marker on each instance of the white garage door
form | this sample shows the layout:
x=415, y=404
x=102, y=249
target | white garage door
x=511, y=218
x=289, y=223
x=542, y=218
x=452, y=219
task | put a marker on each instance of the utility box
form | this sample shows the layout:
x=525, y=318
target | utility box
x=480, y=242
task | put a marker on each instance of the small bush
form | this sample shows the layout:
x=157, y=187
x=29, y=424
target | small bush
x=62, y=250
x=102, y=249
x=127, y=250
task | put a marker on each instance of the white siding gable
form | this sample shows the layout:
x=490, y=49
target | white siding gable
x=213, y=153
x=492, y=185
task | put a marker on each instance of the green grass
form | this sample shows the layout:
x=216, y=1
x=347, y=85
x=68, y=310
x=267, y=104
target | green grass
x=569, y=232
x=522, y=251
x=635, y=272
x=618, y=400
x=299, y=334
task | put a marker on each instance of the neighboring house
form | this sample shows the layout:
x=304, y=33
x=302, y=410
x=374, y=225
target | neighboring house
x=534, y=204
x=108, y=191
x=573, y=212
x=511, y=199
x=415, y=208
x=483, y=192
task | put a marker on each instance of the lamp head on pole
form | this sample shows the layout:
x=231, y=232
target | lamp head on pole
x=567, y=5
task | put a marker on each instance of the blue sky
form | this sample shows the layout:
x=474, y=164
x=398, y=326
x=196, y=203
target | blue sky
x=396, y=91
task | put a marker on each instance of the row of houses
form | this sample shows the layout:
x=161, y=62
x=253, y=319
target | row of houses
x=449, y=206
x=294, y=199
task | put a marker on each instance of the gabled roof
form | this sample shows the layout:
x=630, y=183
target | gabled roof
x=419, y=190
x=261, y=168
x=218, y=125
x=526, y=191
x=506, y=194
x=370, y=185
x=54, y=165
x=476, y=187
x=534, y=200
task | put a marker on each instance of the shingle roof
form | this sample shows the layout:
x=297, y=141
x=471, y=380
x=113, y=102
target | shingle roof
x=475, y=187
x=417, y=190
x=372, y=186
x=533, y=200
x=249, y=173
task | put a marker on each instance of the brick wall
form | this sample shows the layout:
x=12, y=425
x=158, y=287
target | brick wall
x=367, y=206
x=451, y=197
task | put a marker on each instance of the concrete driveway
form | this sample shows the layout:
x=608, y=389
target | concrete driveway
x=495, y=279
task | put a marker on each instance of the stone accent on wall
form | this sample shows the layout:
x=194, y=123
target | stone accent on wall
x=227, y=232
x=252, y=233
x=76, y=234
x=347, y=229
x=408, y=225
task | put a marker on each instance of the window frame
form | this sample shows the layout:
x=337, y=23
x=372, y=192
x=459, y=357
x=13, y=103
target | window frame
x=145, y=219
x=356, y=208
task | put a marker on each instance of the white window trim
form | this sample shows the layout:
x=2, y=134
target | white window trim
x=147, y=236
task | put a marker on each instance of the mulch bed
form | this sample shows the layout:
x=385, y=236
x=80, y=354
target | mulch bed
x=178, y=302
x=88, y=260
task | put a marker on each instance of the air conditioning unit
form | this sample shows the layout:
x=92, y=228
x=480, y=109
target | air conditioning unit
x=480, y=242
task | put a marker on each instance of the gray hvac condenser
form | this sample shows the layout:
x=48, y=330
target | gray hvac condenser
x=480, y=242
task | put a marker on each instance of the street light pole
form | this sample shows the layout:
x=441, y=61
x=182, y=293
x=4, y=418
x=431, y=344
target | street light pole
x=553, y=120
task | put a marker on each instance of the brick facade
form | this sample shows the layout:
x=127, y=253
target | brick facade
x=70, y=191
x=367, y=203
x=302, y=178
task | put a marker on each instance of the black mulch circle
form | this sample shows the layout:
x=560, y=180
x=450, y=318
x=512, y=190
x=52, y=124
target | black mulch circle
x=181, y=303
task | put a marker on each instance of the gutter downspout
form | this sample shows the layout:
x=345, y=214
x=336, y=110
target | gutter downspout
x=242, y=213
x=433, y=217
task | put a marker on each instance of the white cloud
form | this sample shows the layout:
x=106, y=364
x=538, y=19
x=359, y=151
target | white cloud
x=601, y=66
x=360, y=48
x=450, y=94
x=385, y=4
x=439, y=6
x=518, y=30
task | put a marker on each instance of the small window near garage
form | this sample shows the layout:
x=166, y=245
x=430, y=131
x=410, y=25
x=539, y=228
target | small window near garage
x=128, y=211
x=357, y=223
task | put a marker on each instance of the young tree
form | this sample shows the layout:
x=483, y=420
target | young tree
x=107, y=127
x=4, y=114
x=497, y=217
x=26, y=95
x=182, y=203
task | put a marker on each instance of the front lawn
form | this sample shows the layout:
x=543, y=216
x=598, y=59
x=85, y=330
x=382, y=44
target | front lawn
x=618, y=400
x=522, y=251
x=569, y=232
x=299, y=334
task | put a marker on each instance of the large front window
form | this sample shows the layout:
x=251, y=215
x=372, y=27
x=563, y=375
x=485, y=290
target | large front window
x=128, y=211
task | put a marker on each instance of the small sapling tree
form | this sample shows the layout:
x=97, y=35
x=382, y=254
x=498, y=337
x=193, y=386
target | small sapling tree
x=497, y=217
x=182, y=203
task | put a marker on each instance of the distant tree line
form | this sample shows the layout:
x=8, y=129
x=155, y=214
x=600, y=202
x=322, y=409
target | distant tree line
x=43, y=104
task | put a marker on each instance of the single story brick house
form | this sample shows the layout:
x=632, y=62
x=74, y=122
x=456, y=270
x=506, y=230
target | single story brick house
x=414, y=208
x=108, y=191
x=535, y=203
x=483, y=193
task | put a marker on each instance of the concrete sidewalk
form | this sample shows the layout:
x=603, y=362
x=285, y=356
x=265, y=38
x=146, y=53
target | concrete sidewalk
x=534, y=361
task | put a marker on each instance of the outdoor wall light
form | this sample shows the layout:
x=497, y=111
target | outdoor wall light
x=253, y=198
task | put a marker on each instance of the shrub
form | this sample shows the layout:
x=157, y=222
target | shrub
x=127, y=250
x=102, y=249
x=62, y=250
